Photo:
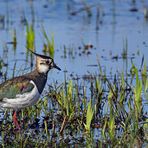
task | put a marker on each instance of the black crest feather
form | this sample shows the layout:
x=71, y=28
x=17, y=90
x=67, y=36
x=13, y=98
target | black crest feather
x=39, y=55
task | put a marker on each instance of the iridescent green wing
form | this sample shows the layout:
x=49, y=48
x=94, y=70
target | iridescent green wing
x=11, y=88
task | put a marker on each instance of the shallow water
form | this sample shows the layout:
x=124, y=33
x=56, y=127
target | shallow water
x=116, y=25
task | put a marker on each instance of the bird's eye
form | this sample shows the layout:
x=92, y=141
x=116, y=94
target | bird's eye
x=47, y=62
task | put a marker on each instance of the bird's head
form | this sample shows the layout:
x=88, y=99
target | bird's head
x=44, y=63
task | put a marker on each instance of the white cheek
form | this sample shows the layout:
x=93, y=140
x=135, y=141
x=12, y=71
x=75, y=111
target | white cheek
x=43, y=68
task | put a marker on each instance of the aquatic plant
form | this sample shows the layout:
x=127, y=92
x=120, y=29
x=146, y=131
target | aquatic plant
x=49, y=45
x=89, y=116
x=30, y=37
x=137, y=94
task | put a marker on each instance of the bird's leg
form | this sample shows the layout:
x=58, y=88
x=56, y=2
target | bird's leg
x=15, y=120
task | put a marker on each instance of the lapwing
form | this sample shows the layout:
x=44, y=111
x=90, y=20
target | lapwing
x=23, y=91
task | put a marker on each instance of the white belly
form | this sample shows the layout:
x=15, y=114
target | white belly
x=22, y=100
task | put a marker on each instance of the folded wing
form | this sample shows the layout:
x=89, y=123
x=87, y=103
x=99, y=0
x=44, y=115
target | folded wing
x=15, y=87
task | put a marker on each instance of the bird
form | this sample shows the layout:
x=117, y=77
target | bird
x=25, y=90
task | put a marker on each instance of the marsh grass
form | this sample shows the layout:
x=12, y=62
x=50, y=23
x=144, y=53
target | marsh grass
x=30, y=37
x=48, y=44
x=109, y=108
x=89, y=116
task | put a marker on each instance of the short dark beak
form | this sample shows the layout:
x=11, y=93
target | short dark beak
x=55, y=66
